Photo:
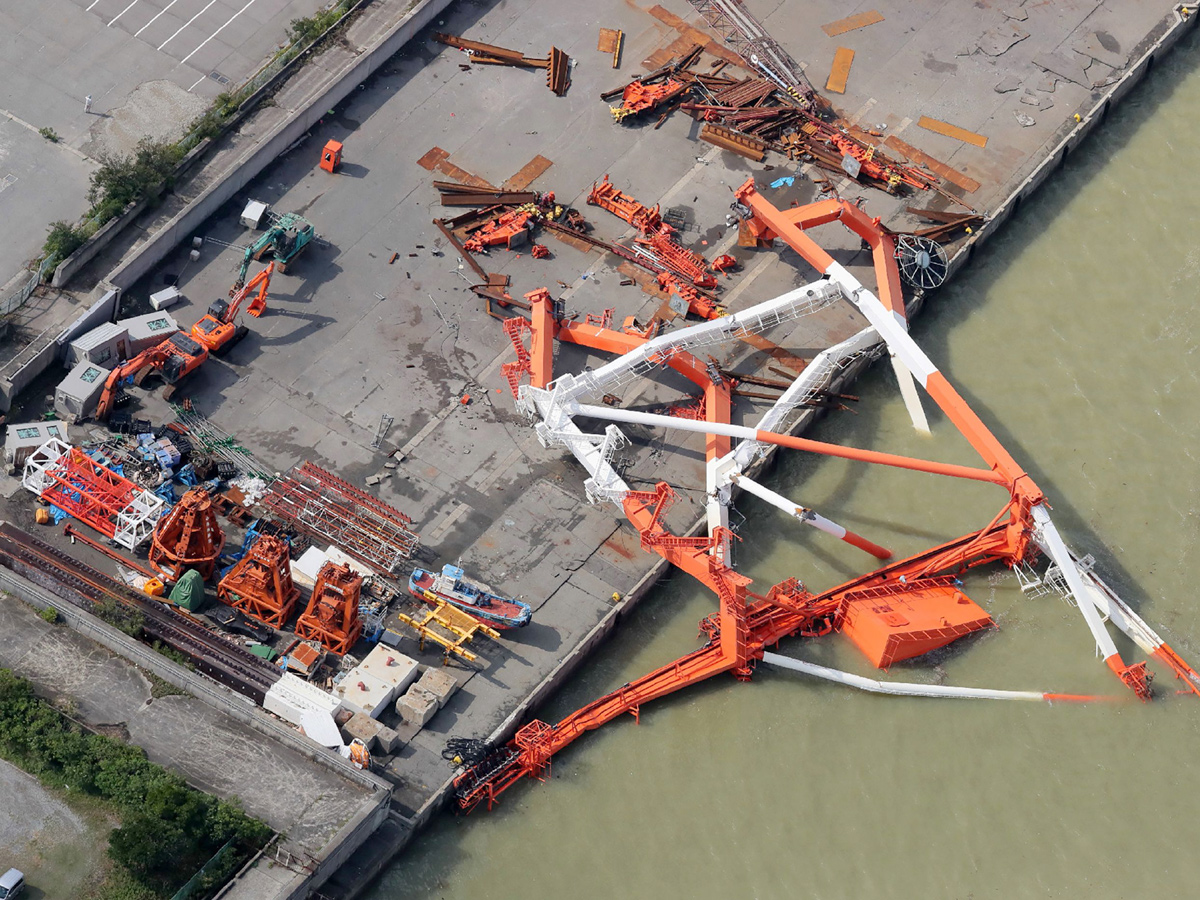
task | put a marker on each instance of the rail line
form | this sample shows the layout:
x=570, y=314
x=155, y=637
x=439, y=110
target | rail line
x=81, y=585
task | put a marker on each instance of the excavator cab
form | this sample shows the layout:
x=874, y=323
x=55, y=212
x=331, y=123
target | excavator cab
x=184, y=356
x=218, y=330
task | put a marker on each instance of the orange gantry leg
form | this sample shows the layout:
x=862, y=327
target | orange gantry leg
x=260, y=585
x=332, y=615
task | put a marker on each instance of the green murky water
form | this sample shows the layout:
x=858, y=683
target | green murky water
x=1074, y=335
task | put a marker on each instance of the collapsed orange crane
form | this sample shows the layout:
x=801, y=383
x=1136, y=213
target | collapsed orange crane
x=867, y=608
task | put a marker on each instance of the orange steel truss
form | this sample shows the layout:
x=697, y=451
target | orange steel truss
x=903, y=609
x=260, y=584
x=187, y=537
x=332, y=615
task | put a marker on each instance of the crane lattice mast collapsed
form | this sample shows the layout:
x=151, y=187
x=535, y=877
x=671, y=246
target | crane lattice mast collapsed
x=924, y=586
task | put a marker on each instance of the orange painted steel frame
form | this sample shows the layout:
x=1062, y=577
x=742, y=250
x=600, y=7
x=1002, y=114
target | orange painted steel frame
x=187, y=537
x=747, y=623
x=332, y=615
x=260, y=584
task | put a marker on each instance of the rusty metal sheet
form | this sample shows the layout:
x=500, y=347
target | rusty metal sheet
x=959, y=134
x=558, y=73
x=528, y=174
x=431, y=159
x=851, y=23
x=955, y=177
x=608, y=40
x=842, y=60
x=735, y=143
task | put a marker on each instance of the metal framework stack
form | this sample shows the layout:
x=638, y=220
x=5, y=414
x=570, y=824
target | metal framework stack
x=332, y=615
x=74, y=482
x=325, y=507
x=750, y=40
x=187, y=537
x=260, y=584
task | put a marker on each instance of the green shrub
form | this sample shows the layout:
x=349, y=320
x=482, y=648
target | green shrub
x=168, y=830
x=49, y=614
x=63, y=240
x=121, y=180
x=49, y=134
x=302, y=32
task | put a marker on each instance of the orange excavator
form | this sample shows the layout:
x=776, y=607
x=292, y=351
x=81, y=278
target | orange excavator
x=218, y=330
x=174, y=358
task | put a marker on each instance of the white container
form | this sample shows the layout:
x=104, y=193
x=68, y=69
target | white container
x=167, y=297
x=148, y=331
x=290, y=697
x=22, y=439
x=76, y=396
x=252, y=215
x=105, y=345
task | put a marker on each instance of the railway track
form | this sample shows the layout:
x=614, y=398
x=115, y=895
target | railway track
x=81, y=585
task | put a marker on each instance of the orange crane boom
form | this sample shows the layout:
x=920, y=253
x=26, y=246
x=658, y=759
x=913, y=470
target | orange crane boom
x=175, y=357
x=217, y=330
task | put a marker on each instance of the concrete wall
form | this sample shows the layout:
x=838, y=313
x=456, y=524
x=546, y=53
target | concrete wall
x=265, y=151
x=232, y=704
x=42, y=352
x=93, y=245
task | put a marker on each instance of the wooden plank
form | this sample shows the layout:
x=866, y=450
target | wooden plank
x=528, y=174
x=431, y=159
x=842, y=59
x=850, y=23
x=955, y=177
x=959, y=134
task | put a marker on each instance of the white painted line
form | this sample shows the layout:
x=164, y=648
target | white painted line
x=94, y=2
x=198, y=80
x=186, y=24
x=155, y=19
x=215, y=33
x=122, y=12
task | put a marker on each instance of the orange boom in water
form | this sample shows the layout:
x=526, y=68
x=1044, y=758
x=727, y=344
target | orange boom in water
x=902, y=610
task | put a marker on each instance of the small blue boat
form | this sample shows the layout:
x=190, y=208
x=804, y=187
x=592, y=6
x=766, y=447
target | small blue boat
x=473, y=599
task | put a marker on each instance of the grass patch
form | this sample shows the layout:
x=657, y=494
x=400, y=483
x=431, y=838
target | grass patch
x=168, y=830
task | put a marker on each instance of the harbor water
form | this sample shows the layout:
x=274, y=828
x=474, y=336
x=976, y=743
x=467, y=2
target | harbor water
x=1075, y=335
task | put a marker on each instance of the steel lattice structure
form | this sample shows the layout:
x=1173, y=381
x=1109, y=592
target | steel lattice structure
x=94, y=494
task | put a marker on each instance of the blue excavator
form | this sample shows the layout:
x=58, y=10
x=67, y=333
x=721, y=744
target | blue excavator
x=284, y=239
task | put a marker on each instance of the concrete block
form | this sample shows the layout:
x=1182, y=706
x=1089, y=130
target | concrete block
x=389, y=741
x=440, y=683
x=363, y=692
x=362, y=727
x=417, y=706
x=391, y=667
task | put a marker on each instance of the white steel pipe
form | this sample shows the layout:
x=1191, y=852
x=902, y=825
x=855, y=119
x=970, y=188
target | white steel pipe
x=908, y=689
x=809, y=517
x=1054, y=545
x=752, y=434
